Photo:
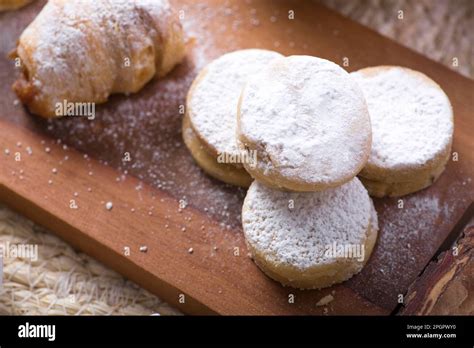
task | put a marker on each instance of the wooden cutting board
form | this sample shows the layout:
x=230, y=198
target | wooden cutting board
x=163, y=201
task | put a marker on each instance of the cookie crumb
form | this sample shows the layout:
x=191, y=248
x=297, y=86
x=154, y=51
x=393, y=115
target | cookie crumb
x=325, y=300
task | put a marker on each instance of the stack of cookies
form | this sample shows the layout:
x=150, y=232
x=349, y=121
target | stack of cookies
x=298, y=130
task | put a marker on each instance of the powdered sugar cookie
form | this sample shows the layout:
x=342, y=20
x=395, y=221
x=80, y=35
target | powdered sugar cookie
x=308, y=122
x=396, y=189
x=211, y=108
x=310, y=240
x=412, y=130
x=228, y=173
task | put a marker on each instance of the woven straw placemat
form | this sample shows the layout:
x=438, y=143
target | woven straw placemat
x=65, y=281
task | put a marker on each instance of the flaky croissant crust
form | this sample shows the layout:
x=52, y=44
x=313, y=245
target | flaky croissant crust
x=84, y=51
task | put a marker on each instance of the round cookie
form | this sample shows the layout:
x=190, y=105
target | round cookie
x=296, y=238
x=211, y=108
x=412, y=130
x=308, y=123
x=227, y=173
x=397, y=189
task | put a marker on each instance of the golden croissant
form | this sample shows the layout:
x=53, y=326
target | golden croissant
x=79, y=51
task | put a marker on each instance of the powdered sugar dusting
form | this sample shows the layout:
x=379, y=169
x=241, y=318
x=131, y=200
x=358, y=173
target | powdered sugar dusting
x=411, y=117
x=68, y=38
x=409, y=236
x=307, y=119
x=298, y=236
x=213, y=103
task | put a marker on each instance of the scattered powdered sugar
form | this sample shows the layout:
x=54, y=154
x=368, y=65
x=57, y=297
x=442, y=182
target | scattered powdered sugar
x=198, y=26
x=109, y=205
x=408, y=239
x=213, y=103
x=147, y=125
x=307, y=119
x=325, y=300
x=411, y=116
x=298, y=236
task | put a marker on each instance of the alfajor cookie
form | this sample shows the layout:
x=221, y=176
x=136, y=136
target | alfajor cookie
x=310, y=240
x=412, y=130
x=308, y=122
x=209, y=129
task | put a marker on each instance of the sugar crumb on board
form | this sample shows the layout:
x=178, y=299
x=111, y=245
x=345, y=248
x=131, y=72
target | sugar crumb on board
x=325, y=300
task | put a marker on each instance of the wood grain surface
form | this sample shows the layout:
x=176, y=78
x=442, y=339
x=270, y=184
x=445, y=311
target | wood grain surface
x=446, y=286
x=217, y=276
